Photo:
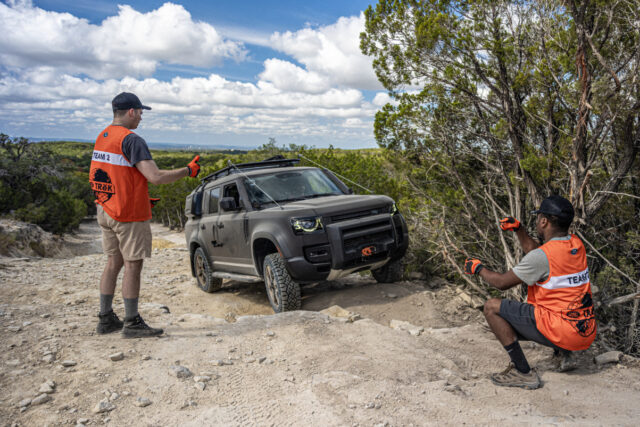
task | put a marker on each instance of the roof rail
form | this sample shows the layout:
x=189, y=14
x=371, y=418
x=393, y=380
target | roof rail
x=272, y=162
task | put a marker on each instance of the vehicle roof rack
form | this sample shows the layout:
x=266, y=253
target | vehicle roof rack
x=271, y=162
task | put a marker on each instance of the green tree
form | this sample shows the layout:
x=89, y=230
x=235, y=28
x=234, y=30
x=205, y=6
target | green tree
x=37, y=187
x=501, y=103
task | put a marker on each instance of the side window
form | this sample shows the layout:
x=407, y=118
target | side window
x=214, y=197
x=231, y=190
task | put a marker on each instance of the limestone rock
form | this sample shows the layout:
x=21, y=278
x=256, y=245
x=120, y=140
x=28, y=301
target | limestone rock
x=608, y=357
x=24, y=402
x=43, y=398
x=181, y=371
x=341, y=313
x=142, y=402
x=116, y=356
x=48, y=387
x=103, y=406
x=401, y=325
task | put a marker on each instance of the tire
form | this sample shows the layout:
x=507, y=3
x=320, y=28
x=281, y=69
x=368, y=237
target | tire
x=283, y=292
x=391, y=272
x=203, y=270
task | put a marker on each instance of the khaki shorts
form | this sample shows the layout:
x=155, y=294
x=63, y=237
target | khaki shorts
x=131, y=239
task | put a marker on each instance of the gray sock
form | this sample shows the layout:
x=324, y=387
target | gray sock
x=105, y=303
x=130, y=308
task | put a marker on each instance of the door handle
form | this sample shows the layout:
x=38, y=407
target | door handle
x=203, y=227
x=221, y=225
x=215, y=244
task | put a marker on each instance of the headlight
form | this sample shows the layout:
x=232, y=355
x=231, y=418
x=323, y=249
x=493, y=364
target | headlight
x=307, y=225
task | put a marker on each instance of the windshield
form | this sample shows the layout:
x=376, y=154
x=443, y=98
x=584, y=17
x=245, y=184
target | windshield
x=289, y=186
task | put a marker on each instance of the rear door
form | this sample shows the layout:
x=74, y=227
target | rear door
x=209, y=221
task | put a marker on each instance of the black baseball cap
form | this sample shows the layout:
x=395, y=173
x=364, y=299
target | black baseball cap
x=126, y=100
x=557, y=206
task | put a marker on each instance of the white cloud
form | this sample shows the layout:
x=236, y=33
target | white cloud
x=289, y=77
x=332, y=51
x=383, y=98
x=130, y=43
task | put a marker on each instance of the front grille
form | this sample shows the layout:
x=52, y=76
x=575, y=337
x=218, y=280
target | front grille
x=360, y=214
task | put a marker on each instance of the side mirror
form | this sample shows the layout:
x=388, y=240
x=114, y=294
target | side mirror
x=228, y=204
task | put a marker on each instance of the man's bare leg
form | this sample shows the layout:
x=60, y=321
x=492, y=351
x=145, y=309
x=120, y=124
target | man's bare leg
x=500, y=327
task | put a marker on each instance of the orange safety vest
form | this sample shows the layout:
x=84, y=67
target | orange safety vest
x=120, y=188
x=563, y=303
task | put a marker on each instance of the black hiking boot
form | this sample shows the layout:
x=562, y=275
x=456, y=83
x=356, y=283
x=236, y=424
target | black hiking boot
x=108, y=323
x=136, y=328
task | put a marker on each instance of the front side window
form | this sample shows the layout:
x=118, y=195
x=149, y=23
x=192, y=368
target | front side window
x=232, y=191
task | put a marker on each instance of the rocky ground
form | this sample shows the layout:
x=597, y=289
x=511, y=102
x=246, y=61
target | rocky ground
x=358, y=354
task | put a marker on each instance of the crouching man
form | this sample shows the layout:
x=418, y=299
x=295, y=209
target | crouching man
x=559, y=309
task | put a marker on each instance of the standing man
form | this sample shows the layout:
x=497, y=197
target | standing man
x=559, y=308
x=121, y=167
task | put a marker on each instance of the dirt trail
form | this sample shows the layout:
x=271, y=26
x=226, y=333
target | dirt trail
x=256, y=368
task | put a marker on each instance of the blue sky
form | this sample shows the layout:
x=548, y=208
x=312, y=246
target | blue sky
x=215, y=73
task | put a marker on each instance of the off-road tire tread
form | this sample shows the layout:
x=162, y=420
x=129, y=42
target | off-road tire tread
x=211, y=284
x=389, y=273
x=289, y=290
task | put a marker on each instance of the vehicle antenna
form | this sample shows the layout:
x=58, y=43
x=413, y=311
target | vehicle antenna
x=335, y=173
x=254, y=183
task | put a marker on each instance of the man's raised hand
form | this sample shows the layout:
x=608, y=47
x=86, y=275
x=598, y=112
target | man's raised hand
x=509, y=223
x=472, y=266
x=194, y=167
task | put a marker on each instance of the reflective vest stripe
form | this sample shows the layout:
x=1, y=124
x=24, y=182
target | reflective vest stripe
x=111, y=158
x=567, y=281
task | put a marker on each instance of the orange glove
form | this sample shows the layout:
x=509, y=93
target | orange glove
x=194, y=167
x=509, y=223
x=154, y=201
x=473, y=266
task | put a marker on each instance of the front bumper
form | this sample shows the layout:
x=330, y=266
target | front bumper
x=350, y=246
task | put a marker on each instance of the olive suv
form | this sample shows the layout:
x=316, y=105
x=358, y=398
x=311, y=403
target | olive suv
x=289, y=225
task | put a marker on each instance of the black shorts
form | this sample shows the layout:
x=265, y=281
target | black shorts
x=521, y=318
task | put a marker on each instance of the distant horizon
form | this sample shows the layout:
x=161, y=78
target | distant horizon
x=179, y=146
x=152, y=144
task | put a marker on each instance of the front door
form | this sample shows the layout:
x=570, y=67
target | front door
x=234, y=254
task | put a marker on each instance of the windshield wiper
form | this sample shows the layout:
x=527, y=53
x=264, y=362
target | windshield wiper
x=313, y=196
x=293, y=199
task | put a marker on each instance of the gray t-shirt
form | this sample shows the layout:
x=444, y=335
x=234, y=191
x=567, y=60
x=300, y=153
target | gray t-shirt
x=534, y=266
x=135, y=149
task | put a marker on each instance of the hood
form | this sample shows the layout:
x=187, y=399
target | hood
x=339, y=204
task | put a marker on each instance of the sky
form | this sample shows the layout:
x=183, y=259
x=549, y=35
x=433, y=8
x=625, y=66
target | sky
x=219, y=73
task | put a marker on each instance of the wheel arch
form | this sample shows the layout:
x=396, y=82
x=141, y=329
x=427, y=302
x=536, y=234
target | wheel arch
x=262, y=246
x=193, y=246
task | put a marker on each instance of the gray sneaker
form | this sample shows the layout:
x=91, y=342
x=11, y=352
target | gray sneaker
x=511, y=377
x=136, y=328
